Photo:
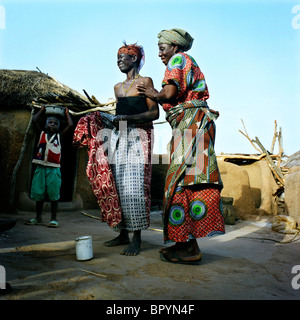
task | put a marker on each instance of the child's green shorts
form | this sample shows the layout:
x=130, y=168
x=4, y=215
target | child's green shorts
x=46, y=181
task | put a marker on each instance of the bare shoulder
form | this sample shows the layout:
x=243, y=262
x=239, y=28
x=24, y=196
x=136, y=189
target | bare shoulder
x=118, y=85
x=146, y=80
x=117, y=88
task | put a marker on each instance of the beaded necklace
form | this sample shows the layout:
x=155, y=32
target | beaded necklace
x=130, y=85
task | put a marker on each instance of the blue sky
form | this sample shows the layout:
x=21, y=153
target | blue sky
x=247, y=50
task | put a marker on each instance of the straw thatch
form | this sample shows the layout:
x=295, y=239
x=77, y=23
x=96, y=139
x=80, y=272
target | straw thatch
x=18, y=88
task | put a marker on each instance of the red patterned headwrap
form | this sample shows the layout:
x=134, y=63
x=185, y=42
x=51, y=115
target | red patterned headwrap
x=134, y=50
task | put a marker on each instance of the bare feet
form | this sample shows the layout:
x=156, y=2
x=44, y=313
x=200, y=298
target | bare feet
x=121, y=239
x=134, y=248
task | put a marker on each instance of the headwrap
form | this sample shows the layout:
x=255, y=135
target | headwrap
x=176, y=36
x=134, y=50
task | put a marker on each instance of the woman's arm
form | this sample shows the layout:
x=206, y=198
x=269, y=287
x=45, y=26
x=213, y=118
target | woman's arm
x=168, y=93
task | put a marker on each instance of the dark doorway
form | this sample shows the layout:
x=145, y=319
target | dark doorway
x=68, y=168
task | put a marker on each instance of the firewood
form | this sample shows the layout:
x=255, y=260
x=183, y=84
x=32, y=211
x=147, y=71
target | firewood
x=273, y=167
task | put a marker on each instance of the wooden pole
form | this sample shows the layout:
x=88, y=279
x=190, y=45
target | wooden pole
x=275, y=170
x=247, y=136
x=274, y=138
x=280, y=148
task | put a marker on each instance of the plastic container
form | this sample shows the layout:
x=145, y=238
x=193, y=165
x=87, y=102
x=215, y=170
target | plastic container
x=54, y=110
x=84, y=248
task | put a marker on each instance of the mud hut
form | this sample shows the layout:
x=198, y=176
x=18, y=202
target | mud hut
x=21, y=94
x=292, y=186
x=263, y=183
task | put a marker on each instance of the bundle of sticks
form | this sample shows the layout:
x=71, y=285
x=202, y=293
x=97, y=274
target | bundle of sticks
x=275, y=168
x=76, y=104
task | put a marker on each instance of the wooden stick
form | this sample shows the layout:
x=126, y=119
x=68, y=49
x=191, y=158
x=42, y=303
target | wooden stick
x=23, y=151
x=62, y=104
x=92, y=110
x=159, y=230
x=245, y=157
x=250, y=141
x=160, y=122
x=274, y=138
x=90, y=99
x=95, y=100
x=280, y=148
x=244, y=127
x=102, y=107
x=247, y=136
x=275, y=170
x=94, y=273
x=91, y=216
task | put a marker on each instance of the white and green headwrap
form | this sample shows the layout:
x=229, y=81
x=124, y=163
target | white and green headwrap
x=176, y=36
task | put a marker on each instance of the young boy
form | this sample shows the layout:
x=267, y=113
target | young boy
x=47, y=175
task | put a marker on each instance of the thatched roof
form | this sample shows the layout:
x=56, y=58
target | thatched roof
x=18, y=88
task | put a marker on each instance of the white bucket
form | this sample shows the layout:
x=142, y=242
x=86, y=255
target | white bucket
x=84, y=248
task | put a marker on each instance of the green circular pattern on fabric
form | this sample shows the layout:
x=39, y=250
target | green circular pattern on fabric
x=197, y=210
x=176, y=216
x=177, y=61
x=200, y=85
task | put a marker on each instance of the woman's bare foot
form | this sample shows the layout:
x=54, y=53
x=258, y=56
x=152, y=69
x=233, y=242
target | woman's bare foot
x=121, y=239
x=134, y=248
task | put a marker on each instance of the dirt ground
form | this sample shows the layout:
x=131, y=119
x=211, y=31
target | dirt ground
x=248, y=262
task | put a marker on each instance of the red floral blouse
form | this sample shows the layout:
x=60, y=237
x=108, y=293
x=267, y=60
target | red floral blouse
x=183, y=71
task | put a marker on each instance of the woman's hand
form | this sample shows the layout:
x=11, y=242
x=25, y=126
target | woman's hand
x=146, y=90
x=167, y=94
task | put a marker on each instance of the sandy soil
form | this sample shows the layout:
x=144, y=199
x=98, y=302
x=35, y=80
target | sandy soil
x=248, y=262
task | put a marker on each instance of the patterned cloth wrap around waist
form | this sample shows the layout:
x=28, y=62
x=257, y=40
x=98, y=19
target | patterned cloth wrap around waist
x=199, y=104
x=192, y=156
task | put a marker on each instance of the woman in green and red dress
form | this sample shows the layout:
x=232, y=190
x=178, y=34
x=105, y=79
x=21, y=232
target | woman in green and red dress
x=192, y=203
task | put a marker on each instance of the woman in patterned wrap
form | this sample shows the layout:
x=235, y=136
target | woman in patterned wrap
x=192, y=205
x=132, y=158
x=119, y=149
